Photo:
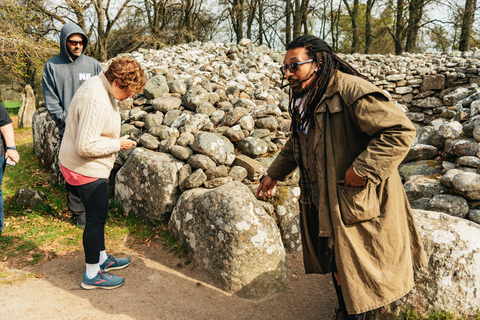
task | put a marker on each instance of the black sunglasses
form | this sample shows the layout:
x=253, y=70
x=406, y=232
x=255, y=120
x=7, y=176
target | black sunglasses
x=293, y=67
x=74, y=43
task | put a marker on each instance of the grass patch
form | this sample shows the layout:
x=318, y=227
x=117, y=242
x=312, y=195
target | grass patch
x=437, y=315
x=34, y=235
x=12, y=107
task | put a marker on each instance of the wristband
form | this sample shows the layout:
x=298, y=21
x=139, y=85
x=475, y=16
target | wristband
x=11, y=148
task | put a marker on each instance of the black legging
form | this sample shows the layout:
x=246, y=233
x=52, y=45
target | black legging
x=94, y=197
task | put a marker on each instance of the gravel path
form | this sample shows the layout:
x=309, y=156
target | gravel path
x=157, y=286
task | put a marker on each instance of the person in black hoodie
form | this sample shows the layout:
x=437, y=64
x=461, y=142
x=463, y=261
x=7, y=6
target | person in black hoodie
x=62, y=76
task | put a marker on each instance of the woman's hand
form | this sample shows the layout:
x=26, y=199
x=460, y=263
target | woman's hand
x=126, y=143
x=266, y=187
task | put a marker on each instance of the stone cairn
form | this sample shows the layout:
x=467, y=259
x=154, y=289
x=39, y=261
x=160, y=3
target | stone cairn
x=212, y=118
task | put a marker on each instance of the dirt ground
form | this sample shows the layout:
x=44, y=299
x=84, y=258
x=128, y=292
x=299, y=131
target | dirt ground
x=157, y=286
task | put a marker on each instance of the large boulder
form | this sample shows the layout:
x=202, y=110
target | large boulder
x=230, y=235
x=451, y=282
x=45, y=137
x=147, y=185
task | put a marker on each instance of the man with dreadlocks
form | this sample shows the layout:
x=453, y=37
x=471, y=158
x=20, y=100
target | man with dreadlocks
x=347, y=139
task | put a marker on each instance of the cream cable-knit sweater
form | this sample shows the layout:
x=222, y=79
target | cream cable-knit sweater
x=90, y=142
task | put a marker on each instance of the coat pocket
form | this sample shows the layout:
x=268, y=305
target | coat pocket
x=358, y=204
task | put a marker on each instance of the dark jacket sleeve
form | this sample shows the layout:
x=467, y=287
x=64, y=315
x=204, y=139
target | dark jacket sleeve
x=52, y=100
x=285, y=163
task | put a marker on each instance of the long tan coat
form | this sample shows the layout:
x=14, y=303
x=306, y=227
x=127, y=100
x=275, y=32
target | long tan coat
x=376, y=242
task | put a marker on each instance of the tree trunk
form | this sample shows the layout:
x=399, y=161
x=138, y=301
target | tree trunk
x=251, y=17
x=467, y=23
x=398, y=38
x=260, y=22
x=368, y=25
x=353, y=13
x=297, y=19
x=415, y=10
x=288, y=23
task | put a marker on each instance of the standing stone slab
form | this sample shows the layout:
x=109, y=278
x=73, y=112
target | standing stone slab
x=147, y=184
x=287, y=208
x=230, y=235
x=27, y=108
x=451, y=282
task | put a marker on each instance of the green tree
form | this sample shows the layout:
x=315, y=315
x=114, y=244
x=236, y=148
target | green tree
x=23, y=46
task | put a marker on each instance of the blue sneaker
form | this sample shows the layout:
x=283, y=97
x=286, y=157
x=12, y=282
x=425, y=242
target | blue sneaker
x=114, y=264
x=103, y=280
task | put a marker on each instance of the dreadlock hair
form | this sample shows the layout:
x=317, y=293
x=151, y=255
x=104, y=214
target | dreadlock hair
x=327, y=62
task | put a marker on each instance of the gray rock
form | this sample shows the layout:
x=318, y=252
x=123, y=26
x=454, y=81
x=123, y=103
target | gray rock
x=231, y=237
x=421, y=167
x=465, y=147
x=452, y=205
x=474, y=215
x=217, y=182
x=217, y=172
x=196, y=179
x=149, y=141
x=421, y=203
x=417, y=187
x=153, y=174
x=451, y=280
x=269, y=123
x=427, y=103
x=205, y=108
x=167, y=133
x=201, y=161
x=183, y=174
x=260, y=133
x=182, y=153
x=181, y=120
x=457, y=95
x=233, y=116
x=167, y=144
x=234, y=133
x=166, y=104
x=216, y=146
x=197, y=122
x=468, y=161
x=25, y=197
x=184, y=141
x=238, y=173
x=447, y=178
x=153, y=120
x=467, y=184
x=433, y=82
x=246, y=122
x=421, y=152
x=253, y=147
x=255, y=169
x=194, y=97
x=217, y=116
x=171, y=116
x=177, y=86
x=155, y=87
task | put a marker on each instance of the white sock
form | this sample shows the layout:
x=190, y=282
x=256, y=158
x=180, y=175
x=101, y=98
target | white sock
x=92, y=270
x=103, y=256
